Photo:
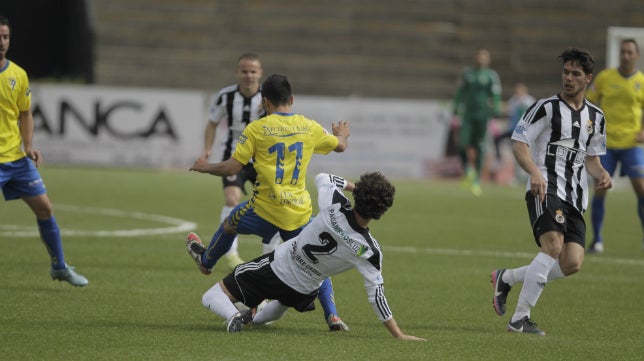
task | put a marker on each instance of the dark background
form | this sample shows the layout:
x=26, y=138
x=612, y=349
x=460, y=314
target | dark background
x=413, y=49
x=51, y=39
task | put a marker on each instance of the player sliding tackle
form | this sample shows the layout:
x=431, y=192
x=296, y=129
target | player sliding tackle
x=336, y=240
x=281, y=145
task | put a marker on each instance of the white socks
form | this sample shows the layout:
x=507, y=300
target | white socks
x=514, y=276
x=536, y=277
x=555, y=272
x=225, y=212
x=517, y=275
x=216, y=301
x=271, y=312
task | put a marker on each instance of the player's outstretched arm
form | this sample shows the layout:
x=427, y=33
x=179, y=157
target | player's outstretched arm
x=395, y=331
x=228, y=167
x=342, y=132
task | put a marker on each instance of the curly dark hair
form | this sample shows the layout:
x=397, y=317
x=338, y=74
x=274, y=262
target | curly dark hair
x=373, y=195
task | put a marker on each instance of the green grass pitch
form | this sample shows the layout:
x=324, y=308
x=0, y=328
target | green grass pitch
x=125, y=229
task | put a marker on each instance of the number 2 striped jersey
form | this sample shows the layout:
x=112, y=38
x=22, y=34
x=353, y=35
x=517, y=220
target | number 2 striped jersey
x=332, y=243
x=559, y=138
x=281, y=146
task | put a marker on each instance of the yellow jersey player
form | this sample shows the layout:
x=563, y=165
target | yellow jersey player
x=19, y=178
x=620, y=94
x=281, y=146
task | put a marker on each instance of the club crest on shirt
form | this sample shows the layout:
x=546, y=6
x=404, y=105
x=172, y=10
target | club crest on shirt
x=559, y=216
x=590, y=126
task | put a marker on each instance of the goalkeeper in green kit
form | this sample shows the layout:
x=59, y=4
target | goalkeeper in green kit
x=477, y=100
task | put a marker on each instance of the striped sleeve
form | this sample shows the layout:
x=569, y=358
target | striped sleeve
x=328, y=185
x=379, y=302
x=217, y=107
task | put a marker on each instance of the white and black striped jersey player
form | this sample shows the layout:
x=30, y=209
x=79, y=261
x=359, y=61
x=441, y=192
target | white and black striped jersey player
x=560, y=138
x=237, y=110
x=236, y=106
x=333, y=243
x=336, y=240
x=558, y=142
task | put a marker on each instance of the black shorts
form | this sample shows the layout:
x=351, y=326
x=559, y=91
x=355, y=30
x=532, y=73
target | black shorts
x=555, y=214
x=254, y=281
x=246, y=174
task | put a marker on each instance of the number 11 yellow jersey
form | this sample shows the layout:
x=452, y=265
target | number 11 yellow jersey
x=281, y=146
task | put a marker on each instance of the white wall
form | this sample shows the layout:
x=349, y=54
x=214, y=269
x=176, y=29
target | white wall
x=615, y=34
x=158, y=128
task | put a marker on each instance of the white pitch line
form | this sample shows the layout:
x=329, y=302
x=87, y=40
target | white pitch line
x=478, y=253
x=177, y=225
x=181, y=226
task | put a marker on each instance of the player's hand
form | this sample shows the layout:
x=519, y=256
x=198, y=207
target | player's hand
x=410, y=338
x=200, y=165
x=604, y=182
x=341, y=129
x=640, y=137
x=34, y=155
x=538, y=186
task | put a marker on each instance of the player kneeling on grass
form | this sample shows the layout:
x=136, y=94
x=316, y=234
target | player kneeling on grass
x=336, y=240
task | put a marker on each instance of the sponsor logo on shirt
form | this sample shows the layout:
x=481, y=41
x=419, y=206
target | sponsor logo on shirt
x=563, y=149
x=358, y=249
x=285, y=131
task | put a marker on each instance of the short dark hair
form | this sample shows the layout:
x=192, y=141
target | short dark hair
x=277, y=89
x=4, y=21
x=248, y=56
x=632, y=41
x=580, y=57
x=373, y=195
